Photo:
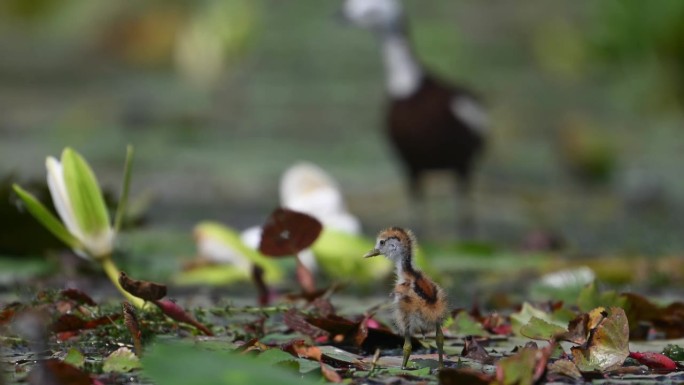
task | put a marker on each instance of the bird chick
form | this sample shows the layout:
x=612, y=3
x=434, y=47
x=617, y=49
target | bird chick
x=419, y=303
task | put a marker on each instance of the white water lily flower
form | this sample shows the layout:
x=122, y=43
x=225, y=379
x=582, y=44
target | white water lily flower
x=85, y=225
x=92, y=230
x=306, y=188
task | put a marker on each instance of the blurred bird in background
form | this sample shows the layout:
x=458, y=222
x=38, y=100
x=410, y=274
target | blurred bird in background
x=432, y=125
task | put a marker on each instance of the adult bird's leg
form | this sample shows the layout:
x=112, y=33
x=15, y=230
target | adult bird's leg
x=439, y=338
x=407, y=349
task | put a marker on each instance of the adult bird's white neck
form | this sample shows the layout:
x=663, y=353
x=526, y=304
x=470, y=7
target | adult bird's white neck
x=404, y=74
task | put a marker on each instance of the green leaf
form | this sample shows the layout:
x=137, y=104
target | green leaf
x=45, y=217
x=181, y=364
x=340, y=256
x=84, y=193
x=464, y=324
x=518, y=369
x=590, y=298
x=125, y=187
x=538, y=329
x=527, y=312
x=121, y=360
x=75, y=358
x=608, y=347
x=231, y=239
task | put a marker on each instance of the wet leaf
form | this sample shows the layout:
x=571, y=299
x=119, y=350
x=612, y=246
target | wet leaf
x=122, y=360
x=55, y=372
x=177, y=313
x=71, y=323
x=668, y=320
x=449, y=376
x=590, y=298
x=297, y=322
x=465, y=324
x=300, y=349
x=607, y=345
x=524, y=368
x=287, y=232
x=78, y=296
x=149, y=291
x=654, y=360
x=74, y=357
x=675, y=352
x=204, y=367
x=344, y=332
x=474, y=351
x=527, y=312
x=538, y=329
x=563, y=368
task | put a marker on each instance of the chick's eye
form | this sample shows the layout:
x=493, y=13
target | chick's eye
x=382, y=243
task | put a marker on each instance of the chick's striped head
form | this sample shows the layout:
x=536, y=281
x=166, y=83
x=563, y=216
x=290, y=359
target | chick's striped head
x=395, y=243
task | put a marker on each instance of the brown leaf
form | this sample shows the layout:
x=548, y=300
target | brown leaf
x=330, y=374
x=71, y=322
x=56, y=372
x=78, y=296
x=296, y=321
x=563, y=369
x=474, y=351
x=149, y=291
x=450, y=376
x=177, y=313
x=131, y=321
x=578, y=330
x=8, y=312
x=344, y=333
x=525, y=367
x=287, y=232
x=607, y=345
x=299, y=348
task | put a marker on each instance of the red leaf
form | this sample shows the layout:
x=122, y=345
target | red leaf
x=654, y=360
x=305, y=278
x=177, y=313
x=56, y=372
x=288, y=232
x=131, y=322
x=78, y=296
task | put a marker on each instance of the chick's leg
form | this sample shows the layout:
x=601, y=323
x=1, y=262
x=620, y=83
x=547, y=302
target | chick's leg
x=439, y=339
x=407, y=348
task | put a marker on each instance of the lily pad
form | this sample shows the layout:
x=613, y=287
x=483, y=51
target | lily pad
x=607, y=346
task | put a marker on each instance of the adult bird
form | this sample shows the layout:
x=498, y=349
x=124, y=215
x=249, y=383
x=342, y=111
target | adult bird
x=433, y=125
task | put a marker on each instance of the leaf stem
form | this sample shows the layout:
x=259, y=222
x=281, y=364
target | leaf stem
x=113, y=274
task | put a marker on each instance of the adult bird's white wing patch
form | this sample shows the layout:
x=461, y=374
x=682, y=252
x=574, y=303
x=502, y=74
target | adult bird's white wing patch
x=471, y=112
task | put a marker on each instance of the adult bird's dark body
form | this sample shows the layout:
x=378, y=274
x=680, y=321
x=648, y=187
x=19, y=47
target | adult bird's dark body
x=431, y=124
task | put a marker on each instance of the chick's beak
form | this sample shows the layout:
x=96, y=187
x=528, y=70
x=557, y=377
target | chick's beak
x=372, y=253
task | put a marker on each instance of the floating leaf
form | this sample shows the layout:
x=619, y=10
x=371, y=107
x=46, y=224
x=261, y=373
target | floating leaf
x=675, y=352
x=78, y=296
x=56, y=372
x=654, y=360
x=527, y=312
x=287, y=232
x=590, y=298
x=474, y=351
x=607, y=345
x=450, y=376
x=177, y=313
x=563, y=368
x=465, y=324
x=524, y=368
x=122, y=360
x=538, y=329
x=198, y=366
x=74, y=357
x=149, y=291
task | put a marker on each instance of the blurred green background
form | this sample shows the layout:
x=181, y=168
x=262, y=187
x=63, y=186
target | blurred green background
x=219, y=97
